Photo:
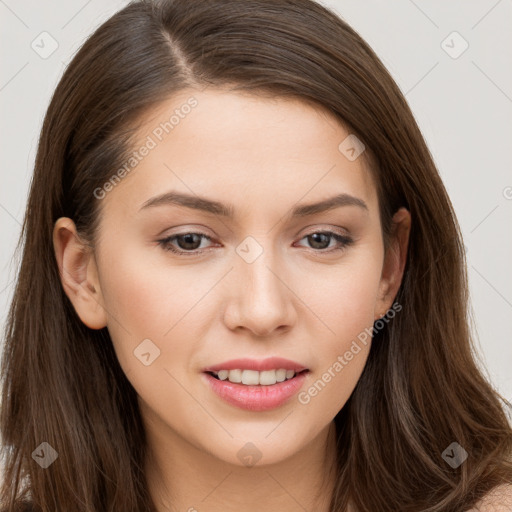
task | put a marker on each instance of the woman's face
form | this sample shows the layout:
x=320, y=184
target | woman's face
x=262, y=282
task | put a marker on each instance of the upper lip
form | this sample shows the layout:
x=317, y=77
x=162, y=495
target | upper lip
x=271, y=363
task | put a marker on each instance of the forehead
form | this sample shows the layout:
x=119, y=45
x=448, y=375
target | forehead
x=242, y=148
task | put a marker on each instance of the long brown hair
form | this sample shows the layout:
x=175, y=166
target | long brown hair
x=421, y=389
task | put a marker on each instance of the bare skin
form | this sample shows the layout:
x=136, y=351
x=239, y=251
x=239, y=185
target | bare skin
x=299, y=299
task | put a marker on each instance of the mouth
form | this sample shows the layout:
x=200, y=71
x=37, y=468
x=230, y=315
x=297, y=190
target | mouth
x=256, y=378
x=255, y=391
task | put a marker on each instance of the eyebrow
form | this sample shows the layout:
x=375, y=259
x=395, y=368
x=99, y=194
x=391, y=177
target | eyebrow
x=226, y=210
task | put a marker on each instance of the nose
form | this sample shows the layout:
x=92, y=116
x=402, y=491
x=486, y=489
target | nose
x=261, y=301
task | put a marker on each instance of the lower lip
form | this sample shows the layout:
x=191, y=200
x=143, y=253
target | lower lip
x=256, y=398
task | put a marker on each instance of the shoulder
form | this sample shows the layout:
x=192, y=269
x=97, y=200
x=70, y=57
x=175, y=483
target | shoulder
x=498, y=500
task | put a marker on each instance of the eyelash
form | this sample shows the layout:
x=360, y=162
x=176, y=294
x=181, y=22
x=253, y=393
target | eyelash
x=344, y=240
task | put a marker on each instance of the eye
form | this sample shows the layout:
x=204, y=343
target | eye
x=188, y=242
x=318, y=240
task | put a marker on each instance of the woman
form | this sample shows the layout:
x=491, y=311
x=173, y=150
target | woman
x=243, y=283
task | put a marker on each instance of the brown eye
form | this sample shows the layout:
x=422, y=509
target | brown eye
x=320, y=241
x=188, y=243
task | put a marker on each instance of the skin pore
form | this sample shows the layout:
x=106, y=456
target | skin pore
x=299, y=299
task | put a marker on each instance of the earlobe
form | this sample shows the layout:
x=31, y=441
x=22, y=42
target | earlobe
x=78, y=273
x=394, y=262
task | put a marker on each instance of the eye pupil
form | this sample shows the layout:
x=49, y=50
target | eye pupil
x=187, y=237
x=324, y=237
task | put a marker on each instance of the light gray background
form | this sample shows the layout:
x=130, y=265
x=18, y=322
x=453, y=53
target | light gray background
x=463, y=106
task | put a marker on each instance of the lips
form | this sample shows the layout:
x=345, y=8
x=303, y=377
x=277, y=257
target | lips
x=271, y=363
x=256, y=398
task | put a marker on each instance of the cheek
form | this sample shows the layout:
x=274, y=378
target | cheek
x=145, y=302
x=146, y=293
x=345, y=295
x=153, y=329
x=346, y=307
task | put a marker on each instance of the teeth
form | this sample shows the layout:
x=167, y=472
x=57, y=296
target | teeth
x=280, y=375
x=223, y=374
x=250, y=377
x=254, y=378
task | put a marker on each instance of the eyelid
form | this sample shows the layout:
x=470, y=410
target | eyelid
x=343, y=238
x=315, y=228
x=335, y=229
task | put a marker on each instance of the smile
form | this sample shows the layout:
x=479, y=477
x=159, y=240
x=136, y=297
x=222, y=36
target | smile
x=255, y=378
x=256, y=397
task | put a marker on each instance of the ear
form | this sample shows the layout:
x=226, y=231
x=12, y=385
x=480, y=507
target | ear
x=78, y=273
x=394, y=262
